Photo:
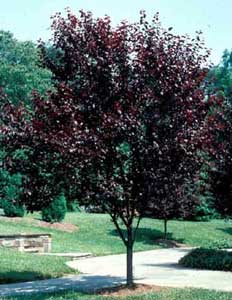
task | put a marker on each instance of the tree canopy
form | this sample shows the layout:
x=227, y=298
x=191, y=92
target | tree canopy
x=20, y=69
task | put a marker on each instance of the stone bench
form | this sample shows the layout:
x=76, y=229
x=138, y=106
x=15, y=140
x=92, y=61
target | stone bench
x=35, y=243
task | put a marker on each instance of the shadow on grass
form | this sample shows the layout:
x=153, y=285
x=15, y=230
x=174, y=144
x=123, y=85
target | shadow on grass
x=226, y=230
x=17, y=277
x=86, y=284
x=148, y=236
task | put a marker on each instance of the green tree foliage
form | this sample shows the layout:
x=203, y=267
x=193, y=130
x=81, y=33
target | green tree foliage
x=11, y=186
x=201, y=191
x=220, y=76
x=20, y=69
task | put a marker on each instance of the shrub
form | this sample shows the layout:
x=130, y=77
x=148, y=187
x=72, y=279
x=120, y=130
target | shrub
x=205, y=210
x=208, y=259
x=13, y=210
x=220, y=244
x=73, y=206
x=56, y=211
x=10, y=194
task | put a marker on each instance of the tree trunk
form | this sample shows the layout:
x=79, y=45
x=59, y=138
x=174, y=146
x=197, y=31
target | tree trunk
x=129, y=278
x=165, y=228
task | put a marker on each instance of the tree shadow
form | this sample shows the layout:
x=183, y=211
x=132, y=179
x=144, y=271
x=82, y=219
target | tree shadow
x=226, y=230
x=150, y=236
x=20, y=276
x=170, y=266
x=86, y=284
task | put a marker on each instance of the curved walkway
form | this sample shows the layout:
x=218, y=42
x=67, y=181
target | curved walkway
x=158, y=267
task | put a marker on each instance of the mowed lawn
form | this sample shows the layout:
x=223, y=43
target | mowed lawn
x=20, y=267
x=170, y=294
x=96, y=234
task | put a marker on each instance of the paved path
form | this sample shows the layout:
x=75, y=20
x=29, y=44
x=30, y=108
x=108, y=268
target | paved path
x=81, y=283
x=157, y=267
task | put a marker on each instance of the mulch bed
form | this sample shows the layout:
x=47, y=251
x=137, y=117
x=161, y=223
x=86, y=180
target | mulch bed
x=136, y=289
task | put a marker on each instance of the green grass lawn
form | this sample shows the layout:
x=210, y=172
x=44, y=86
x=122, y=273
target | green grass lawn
x=171, y=294
x=96, y=234
x=16, y=267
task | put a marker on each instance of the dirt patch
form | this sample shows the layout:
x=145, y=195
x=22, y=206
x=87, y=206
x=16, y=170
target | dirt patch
x=67, y=227
x=136, y=289
x=171, y=243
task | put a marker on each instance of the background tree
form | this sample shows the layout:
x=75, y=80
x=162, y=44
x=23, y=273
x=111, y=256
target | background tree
x=221, y=170
x=220, y=76
x=20, y=69
x=201, y=191
x=26, y=154
x=220, y=83
x=21, y=72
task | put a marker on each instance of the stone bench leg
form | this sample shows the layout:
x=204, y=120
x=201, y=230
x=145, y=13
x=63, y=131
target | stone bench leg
x=47, y=243
x=21, y=244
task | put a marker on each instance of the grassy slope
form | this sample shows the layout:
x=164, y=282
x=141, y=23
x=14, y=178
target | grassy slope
x=172, y=294
x=96, y=234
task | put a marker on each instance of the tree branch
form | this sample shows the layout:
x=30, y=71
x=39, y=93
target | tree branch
x=119, y=229
x=136, y=228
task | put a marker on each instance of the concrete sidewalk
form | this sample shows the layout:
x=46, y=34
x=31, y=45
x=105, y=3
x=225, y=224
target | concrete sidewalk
x=80, y=283
x=158, y=267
